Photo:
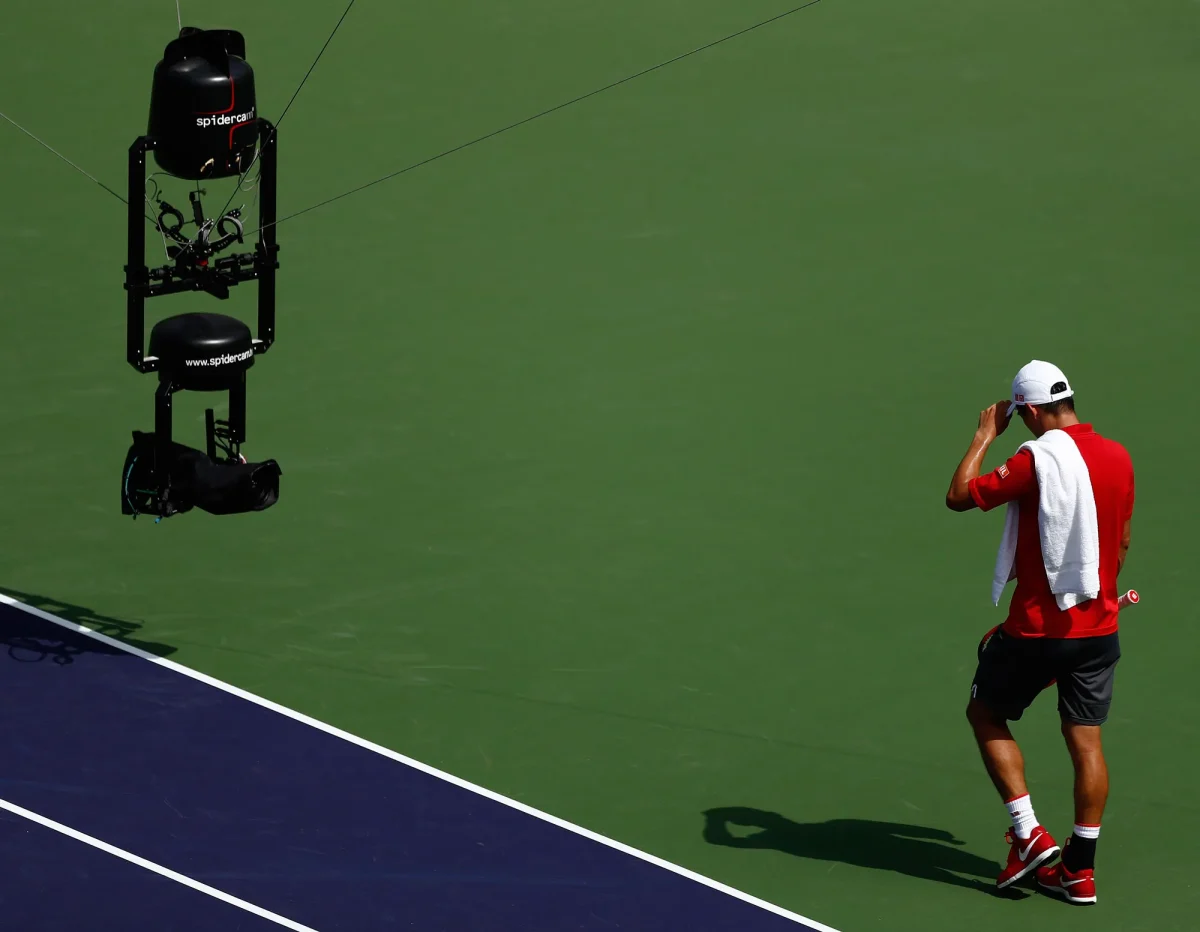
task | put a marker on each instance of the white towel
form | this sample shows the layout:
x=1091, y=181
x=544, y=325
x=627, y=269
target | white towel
x=1066, y=523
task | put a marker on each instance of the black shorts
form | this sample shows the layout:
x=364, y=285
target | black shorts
x=1012, y=672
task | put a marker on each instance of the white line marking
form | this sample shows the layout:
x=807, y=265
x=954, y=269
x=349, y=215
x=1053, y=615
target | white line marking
x=417, y=765
x=151, y=866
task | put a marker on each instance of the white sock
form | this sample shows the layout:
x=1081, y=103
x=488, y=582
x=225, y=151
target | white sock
x=1024, y=821
x=1087, y=831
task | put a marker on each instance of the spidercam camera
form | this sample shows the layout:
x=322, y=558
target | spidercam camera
x=203, y=127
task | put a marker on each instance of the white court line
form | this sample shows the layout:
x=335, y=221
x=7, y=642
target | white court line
x=151, y=866
x=417, y=765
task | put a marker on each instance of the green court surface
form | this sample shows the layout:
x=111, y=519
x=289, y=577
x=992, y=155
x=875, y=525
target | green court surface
x=615, y=447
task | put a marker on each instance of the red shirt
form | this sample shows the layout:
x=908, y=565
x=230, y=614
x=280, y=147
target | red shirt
x=1033, y=611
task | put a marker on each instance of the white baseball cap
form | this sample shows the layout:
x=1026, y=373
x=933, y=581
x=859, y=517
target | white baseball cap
x=1036, y=384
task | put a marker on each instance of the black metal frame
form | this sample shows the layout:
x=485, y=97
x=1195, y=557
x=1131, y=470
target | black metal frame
x=142, y=282
x=192, y=272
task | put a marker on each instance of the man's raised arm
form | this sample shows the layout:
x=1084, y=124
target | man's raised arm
x=992, y=423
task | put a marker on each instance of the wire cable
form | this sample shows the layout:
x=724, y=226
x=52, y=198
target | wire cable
x=555, y=109
x=47, y=145
x=303, y=81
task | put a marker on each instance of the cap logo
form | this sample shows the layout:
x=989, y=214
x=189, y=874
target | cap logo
x=1020, y=399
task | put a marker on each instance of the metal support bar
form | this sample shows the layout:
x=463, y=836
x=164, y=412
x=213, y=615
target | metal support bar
x=237, y=409
x=210, y=434
x=162, y=437
x=267, y=249
x=137, y=275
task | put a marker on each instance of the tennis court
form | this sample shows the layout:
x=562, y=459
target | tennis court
x=610, y=584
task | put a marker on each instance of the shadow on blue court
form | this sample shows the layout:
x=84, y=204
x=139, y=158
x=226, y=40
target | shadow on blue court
x=276, y=811
x=51, y=641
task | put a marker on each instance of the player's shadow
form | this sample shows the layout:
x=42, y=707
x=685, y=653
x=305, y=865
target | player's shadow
x=915, y=850
x=28, y=639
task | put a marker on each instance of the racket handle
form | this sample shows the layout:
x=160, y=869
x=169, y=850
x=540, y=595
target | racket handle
x=1129, y=598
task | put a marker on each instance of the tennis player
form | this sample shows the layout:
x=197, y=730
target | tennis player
x=1039, y=642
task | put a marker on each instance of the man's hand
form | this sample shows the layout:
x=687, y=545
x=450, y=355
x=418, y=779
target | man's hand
x=993, y=421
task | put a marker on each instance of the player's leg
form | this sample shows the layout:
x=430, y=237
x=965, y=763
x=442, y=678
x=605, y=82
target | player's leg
x=1091, y=771
x=1001, y=690
x=1009, y=677
x=1002, y=757
x=1084, y=697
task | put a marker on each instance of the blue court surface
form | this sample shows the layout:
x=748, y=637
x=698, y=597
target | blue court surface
x=138, y=794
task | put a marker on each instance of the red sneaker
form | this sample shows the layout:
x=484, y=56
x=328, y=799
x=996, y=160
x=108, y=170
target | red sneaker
x=1074, y=888
x=1026, y=855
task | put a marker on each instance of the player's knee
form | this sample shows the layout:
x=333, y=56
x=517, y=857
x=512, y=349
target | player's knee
x=1081, y=738
x=980, y=716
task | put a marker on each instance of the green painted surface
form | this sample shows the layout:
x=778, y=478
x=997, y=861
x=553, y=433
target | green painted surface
x=614, y=447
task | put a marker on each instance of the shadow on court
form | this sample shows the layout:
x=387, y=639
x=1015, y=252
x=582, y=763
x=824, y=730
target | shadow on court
x=915, y=850
x=29, y=639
